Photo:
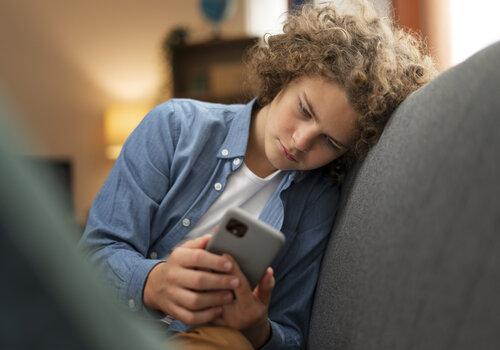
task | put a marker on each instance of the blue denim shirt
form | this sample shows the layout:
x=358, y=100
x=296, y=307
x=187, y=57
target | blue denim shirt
x=163, y=182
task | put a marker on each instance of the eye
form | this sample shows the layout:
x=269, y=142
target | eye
x=332, y=143
x=303, y=110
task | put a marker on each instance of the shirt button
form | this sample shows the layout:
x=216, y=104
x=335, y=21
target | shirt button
x=218, y=186
x=131, y=303
x=153, y=255
x=225, y=152
x=237, y=161
x=186, y=222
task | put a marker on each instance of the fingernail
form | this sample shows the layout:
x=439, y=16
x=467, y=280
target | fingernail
x=228, y=298
x=235, y=282
x=228, y=266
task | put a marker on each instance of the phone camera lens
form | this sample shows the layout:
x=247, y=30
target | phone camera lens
x=236, y=227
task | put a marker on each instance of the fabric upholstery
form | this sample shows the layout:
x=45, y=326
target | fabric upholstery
x=413, y=262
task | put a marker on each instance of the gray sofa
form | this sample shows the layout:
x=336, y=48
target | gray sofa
x=414, y=257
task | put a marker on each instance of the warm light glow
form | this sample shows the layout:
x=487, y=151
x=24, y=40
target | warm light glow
x=138, y=83
x=474, y=25
x=119, y=121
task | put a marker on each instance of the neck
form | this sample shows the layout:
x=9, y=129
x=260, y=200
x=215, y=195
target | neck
x=255, y=156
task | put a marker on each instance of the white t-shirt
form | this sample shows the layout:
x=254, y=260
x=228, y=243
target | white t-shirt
x=243, y=189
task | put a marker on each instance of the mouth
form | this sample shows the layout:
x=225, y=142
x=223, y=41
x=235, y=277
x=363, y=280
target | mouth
x=287, y=154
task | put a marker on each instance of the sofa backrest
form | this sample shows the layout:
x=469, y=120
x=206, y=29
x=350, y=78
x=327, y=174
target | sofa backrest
x=414, y=258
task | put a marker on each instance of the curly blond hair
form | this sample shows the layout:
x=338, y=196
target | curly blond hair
x=375, y=62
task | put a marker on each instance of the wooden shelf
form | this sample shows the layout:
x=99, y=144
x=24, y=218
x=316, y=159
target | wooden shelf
x=211, y=71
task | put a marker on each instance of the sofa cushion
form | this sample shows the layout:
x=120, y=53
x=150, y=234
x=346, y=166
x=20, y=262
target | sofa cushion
x=413, y=262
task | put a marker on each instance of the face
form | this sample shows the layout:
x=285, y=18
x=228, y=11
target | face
x=309, y=124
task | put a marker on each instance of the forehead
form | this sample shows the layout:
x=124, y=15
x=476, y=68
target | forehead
x=330, y=105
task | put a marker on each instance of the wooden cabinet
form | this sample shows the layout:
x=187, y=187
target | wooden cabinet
x=211, y=71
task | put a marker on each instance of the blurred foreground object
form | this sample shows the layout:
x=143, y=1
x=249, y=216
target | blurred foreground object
x=50, y=299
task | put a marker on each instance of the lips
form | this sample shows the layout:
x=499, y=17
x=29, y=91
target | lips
x=287, y=154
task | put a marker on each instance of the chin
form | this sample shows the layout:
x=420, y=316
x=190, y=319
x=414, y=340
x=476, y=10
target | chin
x=286, y=166
x=278, y=161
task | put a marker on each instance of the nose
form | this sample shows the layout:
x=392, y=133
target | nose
x=304, y=137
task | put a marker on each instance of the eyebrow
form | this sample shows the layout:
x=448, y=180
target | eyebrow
x=311, y=110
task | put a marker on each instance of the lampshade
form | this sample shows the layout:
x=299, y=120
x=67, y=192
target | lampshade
x=119, y=121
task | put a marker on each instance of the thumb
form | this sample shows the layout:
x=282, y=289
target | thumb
x=265, y=288
x=197, y=243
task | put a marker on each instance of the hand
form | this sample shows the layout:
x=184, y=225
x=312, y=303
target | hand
x=191, y=285
x=249, y=311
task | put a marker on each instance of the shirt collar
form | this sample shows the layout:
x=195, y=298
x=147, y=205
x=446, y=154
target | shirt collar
x=235, y=143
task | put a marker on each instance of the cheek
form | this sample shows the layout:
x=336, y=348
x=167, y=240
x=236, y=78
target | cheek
x=278, y=125
x=287, y=122
x=328, y=157
x=320, y=157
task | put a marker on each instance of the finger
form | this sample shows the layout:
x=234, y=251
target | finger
x=195, y=301
x=203, y=280
x=265, y=287
x=202, y=259
x=194, y=317
x=199, y=242
x=243, y=289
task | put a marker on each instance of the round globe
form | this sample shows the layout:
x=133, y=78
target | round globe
x=217, y=11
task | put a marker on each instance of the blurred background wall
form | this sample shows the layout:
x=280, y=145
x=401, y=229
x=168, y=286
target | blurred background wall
x=64, y=63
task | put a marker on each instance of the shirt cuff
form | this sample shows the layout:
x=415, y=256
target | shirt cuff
x=277, y=339
x=137, y=281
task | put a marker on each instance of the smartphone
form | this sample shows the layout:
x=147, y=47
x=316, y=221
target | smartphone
x=251, y=242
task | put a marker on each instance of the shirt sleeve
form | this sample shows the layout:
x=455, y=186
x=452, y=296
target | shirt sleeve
x=117, y=235
x=292, y=297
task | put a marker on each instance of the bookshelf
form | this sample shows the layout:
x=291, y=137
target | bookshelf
x=210, y=71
